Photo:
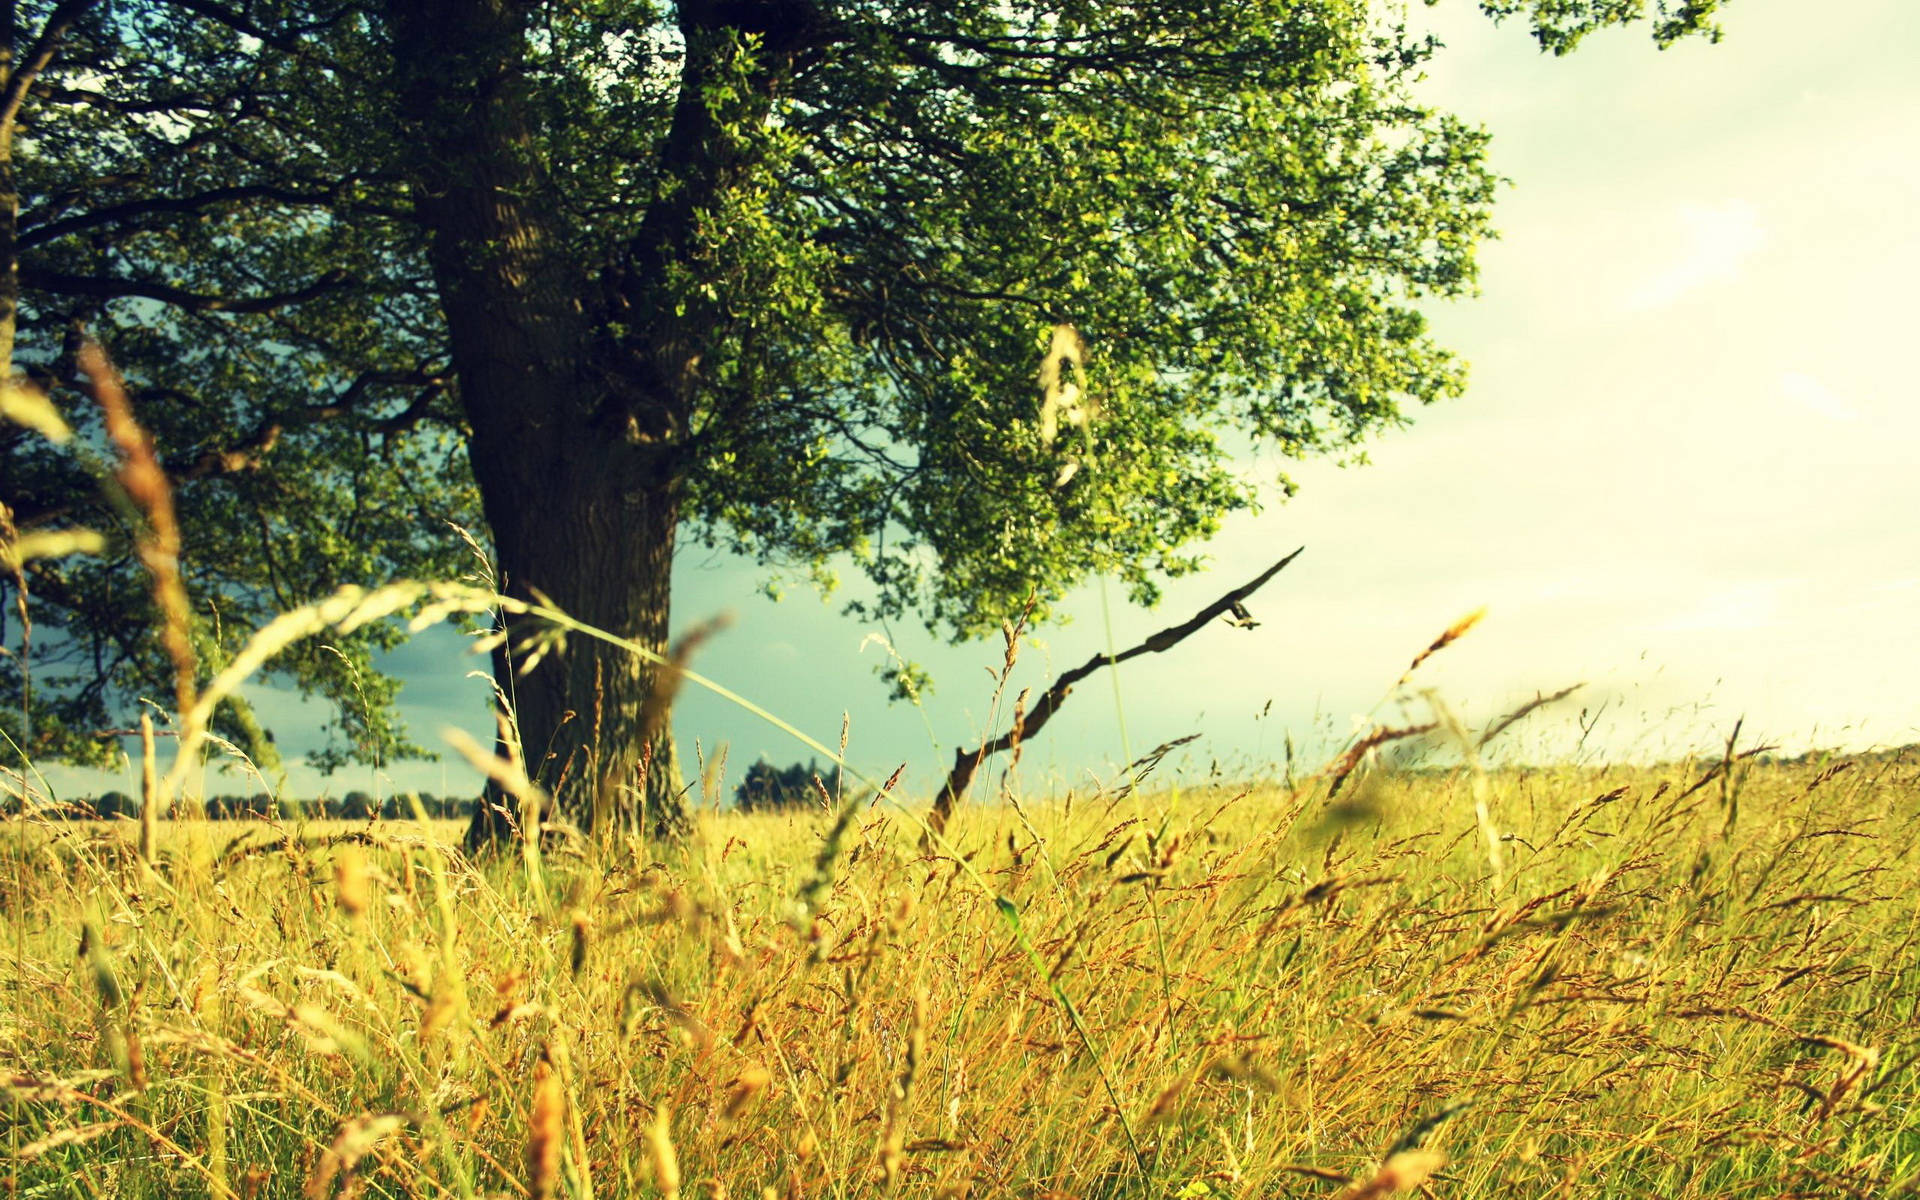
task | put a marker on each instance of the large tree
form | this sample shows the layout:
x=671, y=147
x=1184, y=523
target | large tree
x=773, y=274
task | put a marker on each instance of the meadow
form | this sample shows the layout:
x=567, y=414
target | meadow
x=1690, y=981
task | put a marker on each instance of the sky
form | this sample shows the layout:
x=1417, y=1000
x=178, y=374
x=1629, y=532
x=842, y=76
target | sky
x=1683, y=473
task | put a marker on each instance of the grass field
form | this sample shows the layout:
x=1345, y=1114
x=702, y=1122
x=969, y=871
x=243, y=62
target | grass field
x=1635, y=988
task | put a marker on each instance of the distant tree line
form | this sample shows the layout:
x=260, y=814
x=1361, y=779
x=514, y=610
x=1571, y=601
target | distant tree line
x=768, y=788
x=351, y=806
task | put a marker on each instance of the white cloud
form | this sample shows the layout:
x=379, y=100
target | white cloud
x=1815, y=396
x=1744, y=606
x=1714, y=243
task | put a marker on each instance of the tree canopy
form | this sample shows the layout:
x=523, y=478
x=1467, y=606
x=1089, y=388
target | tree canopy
x=586, y=276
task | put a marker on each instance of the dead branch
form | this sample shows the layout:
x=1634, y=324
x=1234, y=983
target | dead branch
x=967, y=762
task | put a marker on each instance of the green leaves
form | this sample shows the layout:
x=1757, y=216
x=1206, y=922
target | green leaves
x=807, y=254
x=1560, y=25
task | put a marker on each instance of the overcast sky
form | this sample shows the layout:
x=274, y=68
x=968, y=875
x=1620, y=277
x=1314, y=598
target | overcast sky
x=1683, y=474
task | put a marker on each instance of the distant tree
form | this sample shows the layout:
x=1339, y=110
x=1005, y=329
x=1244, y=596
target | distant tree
x=249, y=807
x=399, y=806
x=766, y=787
x=359, y=806
x=109, y=805
x=775, y=274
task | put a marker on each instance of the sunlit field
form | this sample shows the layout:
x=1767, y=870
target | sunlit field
x=186, y=839
x=1686, y=982
x=469, y=367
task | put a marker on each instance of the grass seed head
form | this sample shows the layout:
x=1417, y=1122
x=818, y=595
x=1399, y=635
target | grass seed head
x=1402, y=1172
x=546, y=1128
x=745, y=1086
x=354, y=1141
x=666, y=1162
x=582, y=938
x=352, y=889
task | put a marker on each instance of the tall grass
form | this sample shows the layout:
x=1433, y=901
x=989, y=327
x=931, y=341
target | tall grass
x=1645, y=1004
x=1681, y=983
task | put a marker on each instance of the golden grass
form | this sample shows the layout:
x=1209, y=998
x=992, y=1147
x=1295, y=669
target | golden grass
x=1209, y=994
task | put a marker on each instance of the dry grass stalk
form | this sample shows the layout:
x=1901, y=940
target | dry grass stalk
x=894, y=1136
x=1594, y=991
x=666, y=1161
x=1515, y=716
x=1166, y=1105
x=1482, y=790
x=353, y=1142
x=1401, y=1172
x=18, y=549
x=820, y=880
x=12, y=561
x=136, y=1055
x=667, y=680
x=145, y=483
x=352, y=889
x=347, y=609
x=582, y=926
x=511, y=775
x=75, y=1135
x=149, y=792
x=15, y=550
x=1357, y=753
x=546, y=1128
x=1450, y=635
x=206, y=1004
x=106, y=981
x=1860, y=1060
x=27, y=406
x=745, y=1086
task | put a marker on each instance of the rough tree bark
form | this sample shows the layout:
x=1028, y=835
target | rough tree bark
x=599, y=544
x=573, y=446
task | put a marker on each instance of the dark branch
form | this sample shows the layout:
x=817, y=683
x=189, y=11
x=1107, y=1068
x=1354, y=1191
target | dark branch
x=120, y=289
x=44, y=48
x=287, y=42
x=431, y=383
x=35, y=235
x=248, y=454
x=967, y=762
x=413, y=413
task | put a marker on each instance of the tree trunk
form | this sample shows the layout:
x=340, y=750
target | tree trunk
x=574, y=442
x=9, y=189
x=601, y=548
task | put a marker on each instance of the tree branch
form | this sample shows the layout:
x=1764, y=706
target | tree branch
x=34, y=235
x=413, y=413
x=432, y=384
x=295, y=42
x=120, y=289
x=967, y=762
x=44, y=48
x=248, y=454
